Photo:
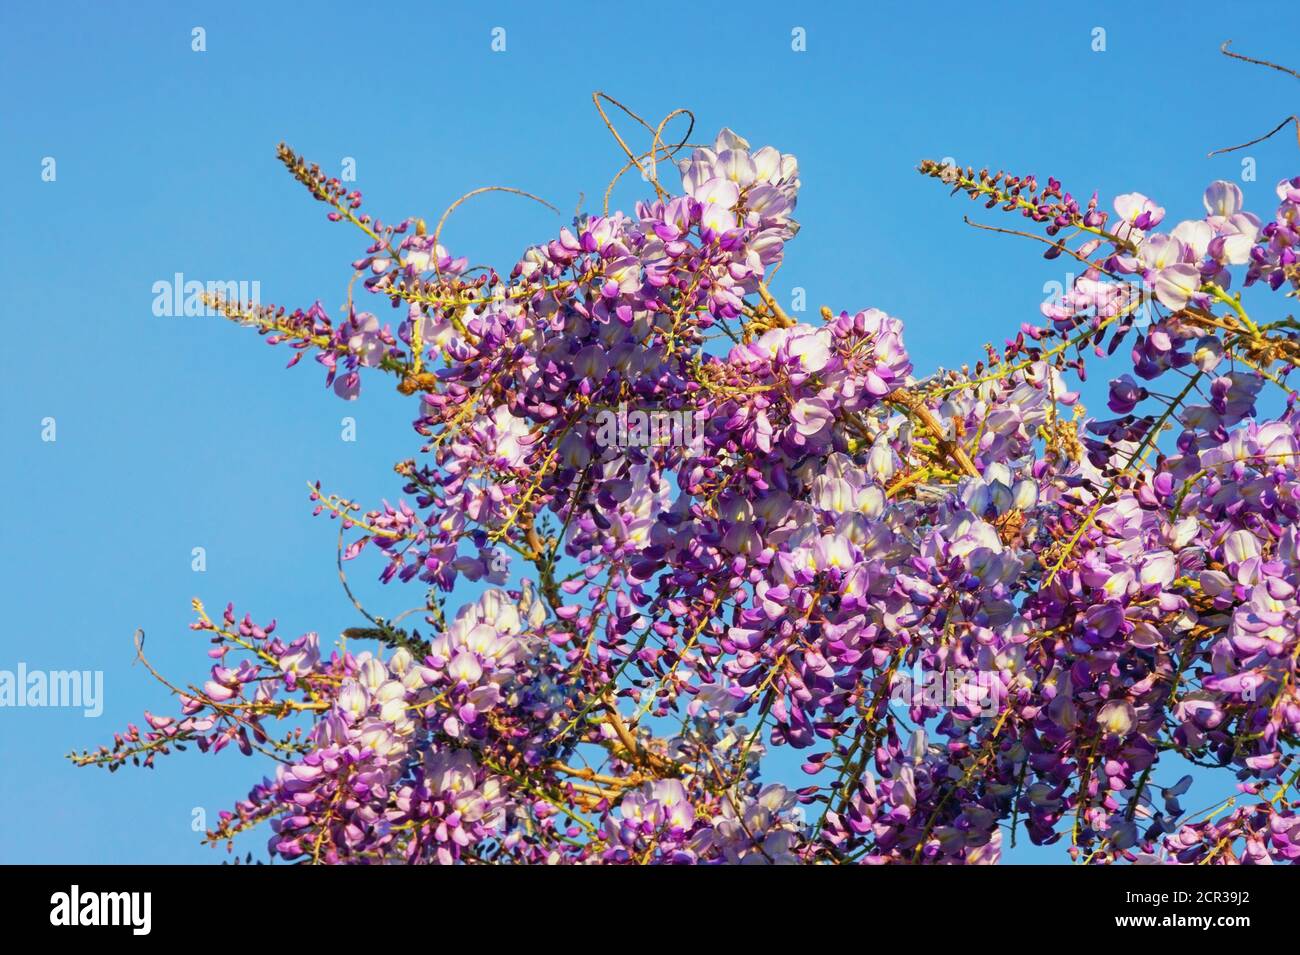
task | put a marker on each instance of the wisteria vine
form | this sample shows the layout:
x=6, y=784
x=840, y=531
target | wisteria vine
x=975, y=611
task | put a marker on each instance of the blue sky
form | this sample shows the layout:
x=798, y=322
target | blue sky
x=176, y=433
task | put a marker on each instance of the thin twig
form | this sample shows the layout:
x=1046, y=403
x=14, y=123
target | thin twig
x=1238, y=56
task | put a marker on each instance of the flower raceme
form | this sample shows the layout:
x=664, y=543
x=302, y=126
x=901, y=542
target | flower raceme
x=1124, y=586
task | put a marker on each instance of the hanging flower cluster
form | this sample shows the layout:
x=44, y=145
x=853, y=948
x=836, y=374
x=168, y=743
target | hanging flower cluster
x=976, y=611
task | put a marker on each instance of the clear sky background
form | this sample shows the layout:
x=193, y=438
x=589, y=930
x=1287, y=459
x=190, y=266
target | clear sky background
x=176, y=433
